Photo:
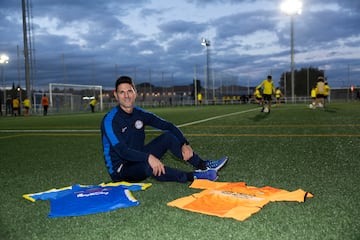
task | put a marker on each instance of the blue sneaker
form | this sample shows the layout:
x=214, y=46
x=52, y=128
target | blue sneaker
x=216, y=164
x=208, y=174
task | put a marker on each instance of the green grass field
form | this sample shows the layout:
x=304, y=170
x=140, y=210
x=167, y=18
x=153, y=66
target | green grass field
x=292, y=147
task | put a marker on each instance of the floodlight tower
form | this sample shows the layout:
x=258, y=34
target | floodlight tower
x=4, y=59
x=29, y=50
x=292, y=8
x=206, y=43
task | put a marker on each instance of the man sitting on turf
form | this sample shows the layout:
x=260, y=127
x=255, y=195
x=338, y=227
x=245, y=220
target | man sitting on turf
x=127, y=158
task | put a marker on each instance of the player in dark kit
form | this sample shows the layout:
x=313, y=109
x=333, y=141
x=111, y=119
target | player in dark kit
x=127, y=158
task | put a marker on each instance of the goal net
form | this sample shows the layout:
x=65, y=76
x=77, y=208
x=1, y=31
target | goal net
x=72, y=98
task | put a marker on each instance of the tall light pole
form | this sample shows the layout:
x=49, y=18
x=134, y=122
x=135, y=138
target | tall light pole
x=26, y=49
x=195, y=87
x=4, y=59
x=206, y=43
x=291, y=8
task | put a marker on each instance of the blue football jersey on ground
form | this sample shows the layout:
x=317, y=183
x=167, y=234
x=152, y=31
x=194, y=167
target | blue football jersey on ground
x=80, y=200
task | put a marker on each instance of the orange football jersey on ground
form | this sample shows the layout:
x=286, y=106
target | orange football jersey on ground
x=233, y=199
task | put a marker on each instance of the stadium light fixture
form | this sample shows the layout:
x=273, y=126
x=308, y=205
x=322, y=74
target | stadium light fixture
x=292, y=8
x=206, y=43
x=4, y=59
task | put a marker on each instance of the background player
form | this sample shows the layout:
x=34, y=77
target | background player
x=268, y=90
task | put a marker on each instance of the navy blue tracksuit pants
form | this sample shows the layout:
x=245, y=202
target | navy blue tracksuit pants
x=138, y=171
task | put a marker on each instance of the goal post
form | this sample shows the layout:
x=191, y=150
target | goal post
x=74, y=97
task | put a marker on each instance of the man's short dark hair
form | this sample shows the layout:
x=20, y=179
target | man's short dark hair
x=124, y=79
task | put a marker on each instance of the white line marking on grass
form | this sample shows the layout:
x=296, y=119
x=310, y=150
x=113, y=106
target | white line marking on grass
x=217, y=117
x=208, y=119
x=98, y=131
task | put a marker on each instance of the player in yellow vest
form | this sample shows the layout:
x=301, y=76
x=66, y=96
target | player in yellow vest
x=320, y=92
x=92, y=104
x=199, y=98
x=258, y=96
x=27, y=106
x=16, y=105
x=278, y=95
x=268, y=90
x=313, y=98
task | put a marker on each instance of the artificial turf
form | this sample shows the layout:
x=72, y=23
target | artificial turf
x=292, y=147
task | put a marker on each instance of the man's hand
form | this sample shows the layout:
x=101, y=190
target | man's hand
x=156, y=165
x=187, y=152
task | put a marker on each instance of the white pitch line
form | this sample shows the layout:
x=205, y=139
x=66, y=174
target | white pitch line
x=98, y=131
x=217, y=117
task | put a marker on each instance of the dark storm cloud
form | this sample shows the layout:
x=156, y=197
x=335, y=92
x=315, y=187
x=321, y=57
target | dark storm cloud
x=352, y=5
x=207, y=2
x=243, y=24
x=146, y=12
x=326, y=26
x=93, y=41
x=181, y=26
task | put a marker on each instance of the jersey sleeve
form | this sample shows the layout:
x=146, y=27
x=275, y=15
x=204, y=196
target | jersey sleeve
x=49, y=194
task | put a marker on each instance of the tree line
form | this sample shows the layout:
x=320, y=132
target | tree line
x=304, y=80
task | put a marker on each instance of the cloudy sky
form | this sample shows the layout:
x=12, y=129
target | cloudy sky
x=93, y=41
